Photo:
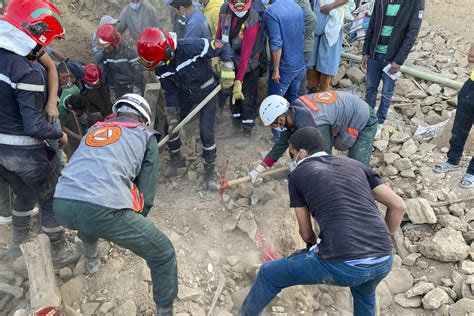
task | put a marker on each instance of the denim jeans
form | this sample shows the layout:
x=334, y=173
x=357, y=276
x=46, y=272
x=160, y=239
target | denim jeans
x=375, y=73
x=32, y=175
x=462, y=125
x=207, y=118
x=306, y=269
x=129, y=230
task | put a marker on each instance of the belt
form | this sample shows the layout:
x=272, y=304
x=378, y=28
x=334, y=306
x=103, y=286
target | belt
x=19, y=140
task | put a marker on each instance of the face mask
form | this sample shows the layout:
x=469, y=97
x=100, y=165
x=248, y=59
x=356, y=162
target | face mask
x=135, y=6
x=68, y=85
x=293, y=163
x=240, y=14
x=280, y=129
x=265, y=2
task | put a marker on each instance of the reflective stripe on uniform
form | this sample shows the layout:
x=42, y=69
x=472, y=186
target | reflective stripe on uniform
x=173, y=139
x=22, y=86
x=209, y=148
x=247, y=121
x=22, y=214
x=189, y=61
x=134, y=60
x=236, y=115
x=115, y=61
x=19, y=140
x=56, y=229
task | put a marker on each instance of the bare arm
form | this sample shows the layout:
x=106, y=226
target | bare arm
x=71, y=134
x=331, y=6
x=51, y=108
x=395, y=206
x=276, y=57
x=305, y=227
x=470, y=58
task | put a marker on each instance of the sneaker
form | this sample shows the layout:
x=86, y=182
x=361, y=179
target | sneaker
x=5, y=220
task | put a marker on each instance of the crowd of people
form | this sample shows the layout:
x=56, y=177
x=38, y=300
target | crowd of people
x=77, y=140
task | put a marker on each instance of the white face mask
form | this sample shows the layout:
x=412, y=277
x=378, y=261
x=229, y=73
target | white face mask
x=293, y=163
x=240, y=14
x=135, y=6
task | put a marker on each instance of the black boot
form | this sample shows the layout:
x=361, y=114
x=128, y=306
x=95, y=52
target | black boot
x=19, y=233
x=91, y=257
x=64, y=253
x=164, y=310
x=177, y=160
x=211, y=177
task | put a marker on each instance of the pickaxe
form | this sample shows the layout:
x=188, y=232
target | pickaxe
x=191, y=115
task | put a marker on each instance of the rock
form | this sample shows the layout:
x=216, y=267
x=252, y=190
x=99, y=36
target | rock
x=458, y=280
x=247, y=224
x=187, y=294
x=356, y=75
x=65, y=273
x=233, y=260
x=419, y=211
x=457, y=209
x=408, y=148
x=16, y=291
x=447, y=245
x=453, y=221
x=390, y=171
x=402, y=164
x=389, y=158
x=467, y=266
x=429, y=101
x=72, y=289
x=326, y=300
x=80, y=267
x=381, y=145
x=231, y=222
x=127, y=309
x=246, y=190
x=408, y=174
x=462, y=307
x=384, y=295
x=399, y=280
x=417, y=94
x=345, y=83
x=434, y=299
x=419, y=289
x=406, y=302
x=106, y=307
x=239, y=295
x=224, y=313
x=399, y=138
x=90, y=308
x=404, y=86
x=410, y=260
x=426, y=147
x=434, y=89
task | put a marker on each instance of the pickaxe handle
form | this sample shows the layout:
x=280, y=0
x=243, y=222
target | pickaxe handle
x=191, y=115
x=270, y=172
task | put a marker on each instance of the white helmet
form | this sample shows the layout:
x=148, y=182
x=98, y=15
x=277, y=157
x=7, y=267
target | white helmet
x=137, y=102
x=272, y=107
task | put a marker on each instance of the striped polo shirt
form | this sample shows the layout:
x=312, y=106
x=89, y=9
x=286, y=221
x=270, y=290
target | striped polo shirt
x=388, y=22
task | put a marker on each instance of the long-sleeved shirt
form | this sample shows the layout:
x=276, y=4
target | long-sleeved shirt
x=137, y=20
x=195, y=26
x=211, y=12
x=284, y=20
x=309, y=24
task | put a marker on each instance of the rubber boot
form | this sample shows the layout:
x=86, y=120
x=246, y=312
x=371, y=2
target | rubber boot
x=64, y=253
x=211, y=176
x=246, y=138
x=177, y=160
x=19, y=235
x=164, y=310
x=311, y=78
x=91, y=257
x=326, y=82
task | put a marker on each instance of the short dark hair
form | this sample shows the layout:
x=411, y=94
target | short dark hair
x=181, y=3
x=78, y=102
x=309, y=139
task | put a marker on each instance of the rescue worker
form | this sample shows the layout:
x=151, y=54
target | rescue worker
x=188, y=21
x=239, y=25
x=123, y=72
x=346, y=122
x=210, y=9
x=136, y=17
x=95, y=90
x=108, y=188
x=184, y=70
x=26, y=162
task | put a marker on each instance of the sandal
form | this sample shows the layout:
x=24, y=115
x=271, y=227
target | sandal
x=445, y=167
x=467, y=182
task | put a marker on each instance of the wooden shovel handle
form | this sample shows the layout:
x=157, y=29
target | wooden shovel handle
x=262, y=175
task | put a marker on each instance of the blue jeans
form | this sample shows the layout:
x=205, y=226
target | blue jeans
x=306, y=269
x=462, y=125
x=375, y=73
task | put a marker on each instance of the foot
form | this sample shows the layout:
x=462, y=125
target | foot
x=467, y=182
x=445, y=167
x=164, y=310
x=175, y=162
x=5, y=220
x=211, y=177
x=12, y=253
x=65, y=254
x=91, y=257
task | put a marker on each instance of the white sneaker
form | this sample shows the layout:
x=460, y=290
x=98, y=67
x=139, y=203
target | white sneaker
x=4, y=220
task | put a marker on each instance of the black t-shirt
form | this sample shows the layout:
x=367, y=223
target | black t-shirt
x=338, y=193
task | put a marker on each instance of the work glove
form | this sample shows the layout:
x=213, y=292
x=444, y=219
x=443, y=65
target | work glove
x=227, y=74
x=172, y=118
x=215, y=65
x=255, y=173
x=237, y=92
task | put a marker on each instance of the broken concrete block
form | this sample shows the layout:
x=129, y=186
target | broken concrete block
x=419, y=211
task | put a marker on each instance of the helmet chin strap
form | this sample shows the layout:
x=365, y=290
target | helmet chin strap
x=35, y=53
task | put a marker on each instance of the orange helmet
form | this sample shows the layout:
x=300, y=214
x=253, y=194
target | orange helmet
x=155, y=46
x=39, y=19
x=239, y=5
x=92, y=76
x=108, y=35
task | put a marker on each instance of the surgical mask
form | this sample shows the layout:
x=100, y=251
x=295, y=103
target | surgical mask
x=240, y=14
x=280, y=129
x=293, y=163
x=265, y=2
x=135, y=6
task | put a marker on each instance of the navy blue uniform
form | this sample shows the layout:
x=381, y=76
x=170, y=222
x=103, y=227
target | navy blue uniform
x=187, y=79
x=26, y=163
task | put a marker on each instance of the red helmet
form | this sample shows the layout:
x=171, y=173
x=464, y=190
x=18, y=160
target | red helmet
x=92, y=76
x=39, y=19
x=155, y=46
x=108, y=35
x=239, y=5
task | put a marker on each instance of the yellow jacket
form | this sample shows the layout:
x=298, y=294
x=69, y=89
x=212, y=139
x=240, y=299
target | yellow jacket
x=211, y=12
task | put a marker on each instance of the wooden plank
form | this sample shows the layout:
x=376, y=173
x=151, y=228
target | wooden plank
x=44, y=290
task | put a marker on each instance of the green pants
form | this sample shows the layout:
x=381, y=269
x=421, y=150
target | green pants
x=129, y=230
x=362, y=148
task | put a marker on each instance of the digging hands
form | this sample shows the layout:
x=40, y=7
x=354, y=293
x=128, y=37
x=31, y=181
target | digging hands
x=255, y=173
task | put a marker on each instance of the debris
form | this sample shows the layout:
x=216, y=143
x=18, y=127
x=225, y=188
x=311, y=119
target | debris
x=419, y=211
x=17, y=292
x=434, y=299
x=447, y=245
x=419, y=289
x=219, y=289
x=399, y=280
